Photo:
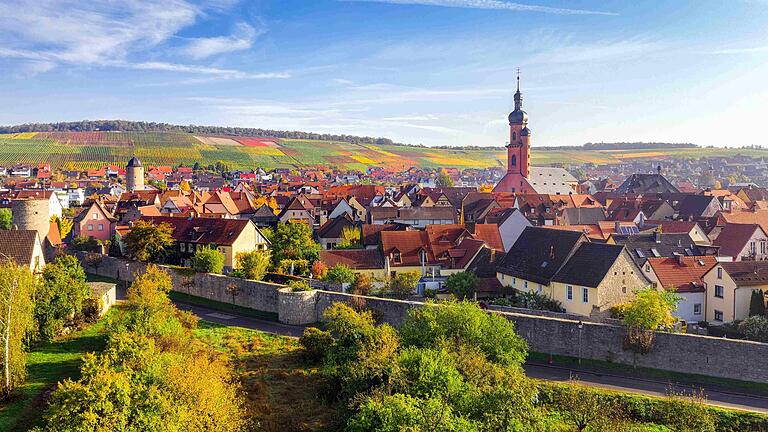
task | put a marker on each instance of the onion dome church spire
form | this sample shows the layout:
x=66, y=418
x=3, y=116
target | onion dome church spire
x=518, y=116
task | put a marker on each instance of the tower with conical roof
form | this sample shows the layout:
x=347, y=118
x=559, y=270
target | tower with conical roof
x=134, y=175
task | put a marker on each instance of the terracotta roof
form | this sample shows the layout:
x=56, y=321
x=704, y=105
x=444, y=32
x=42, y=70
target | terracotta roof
x=372, y=233
x=358, y=259
x=489, y=233
x=682, y=273
x=203, y=230
x=408, y=244
x=759, y=217
x=18, y=244
x=734, y=237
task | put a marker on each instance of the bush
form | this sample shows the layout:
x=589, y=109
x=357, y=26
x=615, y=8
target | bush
x=462, y=285
x=60, y=297
x=315, y=343
x=755, y=328
x=404, y=284
x=340, y=274
x=252, y=265
x=91, y=309
x=300, y=267
x=319, y=270
x=530, y=300
x=208, y=260
x=362, y=285
x=86, y=244
x=299, y=285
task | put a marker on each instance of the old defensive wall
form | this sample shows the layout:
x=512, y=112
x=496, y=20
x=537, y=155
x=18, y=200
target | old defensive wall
x=725, y=358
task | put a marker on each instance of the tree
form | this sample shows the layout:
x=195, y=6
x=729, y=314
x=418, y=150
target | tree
x=757, y=303
x=86, y=244
x=443, y=179
x=462, y=285
x=404, y=284
x=64, y=225
x=340, y=274
x=649, y=311
x=319, y=270
x=252, y=265
x=184, y=186
x=6, y=219
x=17, y=288
x=208, y=260
x=584, y=407
x=362, y=284
x=292, y=241
x=350, y=238
x=148, y=242
x=60, y=296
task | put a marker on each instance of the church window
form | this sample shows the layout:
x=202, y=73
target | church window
x=513, y=160
x=514, y=136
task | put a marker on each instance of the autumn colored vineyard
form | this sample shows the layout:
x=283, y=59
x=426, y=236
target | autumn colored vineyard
x=85, y=150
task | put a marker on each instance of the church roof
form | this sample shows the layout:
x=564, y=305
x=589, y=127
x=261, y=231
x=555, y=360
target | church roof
x=551, y=181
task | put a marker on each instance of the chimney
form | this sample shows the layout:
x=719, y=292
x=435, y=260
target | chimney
x=657, y=236
x=616, y=226
x=493, y=255
x=679, y=259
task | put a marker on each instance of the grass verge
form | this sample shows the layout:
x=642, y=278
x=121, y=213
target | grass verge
x=213, y=304
x=47, y=365
x=649, y=373
x=283, y=392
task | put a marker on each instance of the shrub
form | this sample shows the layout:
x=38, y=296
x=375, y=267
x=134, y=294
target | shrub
x=208, y=260
x=252, y=265
x=404, y=284
x=299, y=285
x=362, y=284
x=340, y=274
x=755, y=328
x=315, y=342
x=300, y=267
x=91, y=309
x=86, y=244
x=757, y=303
x=462, y=285
x=60, y=297
x=319, y=270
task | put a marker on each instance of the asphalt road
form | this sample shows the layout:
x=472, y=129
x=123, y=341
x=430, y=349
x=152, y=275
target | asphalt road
x=717, y=396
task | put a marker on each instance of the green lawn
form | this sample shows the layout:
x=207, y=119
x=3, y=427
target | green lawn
x=46, y=366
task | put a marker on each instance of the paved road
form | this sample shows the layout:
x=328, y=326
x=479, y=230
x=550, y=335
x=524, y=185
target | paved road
x=735, y=399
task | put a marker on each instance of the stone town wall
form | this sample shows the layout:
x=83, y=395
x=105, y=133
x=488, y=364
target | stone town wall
x=726, y=358
x=261, y=296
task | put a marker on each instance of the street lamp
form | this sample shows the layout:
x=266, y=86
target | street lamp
x=581, y=326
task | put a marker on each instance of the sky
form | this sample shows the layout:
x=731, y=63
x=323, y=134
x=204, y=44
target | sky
x=433, y=72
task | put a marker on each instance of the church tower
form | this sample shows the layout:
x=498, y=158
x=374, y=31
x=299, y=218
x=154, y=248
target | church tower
x=519, y=147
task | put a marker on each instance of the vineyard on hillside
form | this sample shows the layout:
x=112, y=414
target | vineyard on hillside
x=86, y=150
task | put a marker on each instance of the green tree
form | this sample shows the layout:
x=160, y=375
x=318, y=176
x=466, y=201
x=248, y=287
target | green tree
x=60, y=296
x=17, y=289
x=340, y=274
x=252, y=265
x=147, y=241
x=404, y=284
x=443, y=179
x=462, y=285
x=292, y=241
x=399, y=412
x=583, y=407
x=651, y=309
x=6, y=219
x=757, y=303
x=208, y=260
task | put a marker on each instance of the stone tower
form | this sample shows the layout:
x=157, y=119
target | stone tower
x=32, y=214
x=134, y=175
x=519, y=147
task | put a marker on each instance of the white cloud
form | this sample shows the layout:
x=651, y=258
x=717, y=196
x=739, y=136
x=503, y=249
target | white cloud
x=205, y=70
x=490, y=4
x=741, y=50
x=241, y=39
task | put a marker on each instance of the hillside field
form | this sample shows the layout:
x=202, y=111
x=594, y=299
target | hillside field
x=85, y=150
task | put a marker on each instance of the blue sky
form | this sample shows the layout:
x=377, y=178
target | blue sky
x=436, y=72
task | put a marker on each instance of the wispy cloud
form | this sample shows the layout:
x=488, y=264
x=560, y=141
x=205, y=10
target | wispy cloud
x=109, y=34
x=241, y=39
x=490, y=4
x=741, y=50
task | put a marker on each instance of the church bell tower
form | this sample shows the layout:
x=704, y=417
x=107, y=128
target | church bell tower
x=519, y=147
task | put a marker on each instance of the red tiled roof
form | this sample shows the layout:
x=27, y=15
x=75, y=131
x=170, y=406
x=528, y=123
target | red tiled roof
x=358, y=259
x=734, y=237
x=682, y=273
x=203, y=230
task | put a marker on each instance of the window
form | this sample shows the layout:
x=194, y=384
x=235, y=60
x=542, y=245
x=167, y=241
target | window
x=513, y=160
x=697, y=309
x=101, y=227
x=397, y=258
x=762, y=247
x=540, y=289
x=569, y=292
x=90, y=227
x=719, y=291
x=182, y=247
x=585, y=295
x=719, y=272
x=718, y=315
x=525, y=285
x=514, y=281
x=95, y=216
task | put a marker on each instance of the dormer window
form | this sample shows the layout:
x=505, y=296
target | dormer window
x=396, y=257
